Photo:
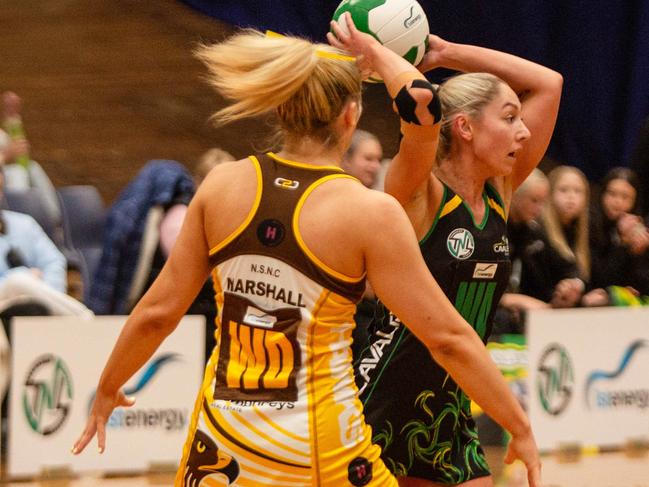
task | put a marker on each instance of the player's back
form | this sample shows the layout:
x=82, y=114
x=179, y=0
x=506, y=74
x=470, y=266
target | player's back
x=279, y=399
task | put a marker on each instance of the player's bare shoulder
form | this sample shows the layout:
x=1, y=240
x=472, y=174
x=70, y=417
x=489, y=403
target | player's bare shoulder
x=226, y=174
x=376, y=208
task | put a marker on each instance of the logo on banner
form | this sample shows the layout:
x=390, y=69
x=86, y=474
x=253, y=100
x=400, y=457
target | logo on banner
x=611, y=398
x=47, y=394
x=460, y=243
x=134, y=417
x=555, y=379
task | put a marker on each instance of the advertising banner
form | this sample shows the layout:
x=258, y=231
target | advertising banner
x=56, y=364
x=588, y=380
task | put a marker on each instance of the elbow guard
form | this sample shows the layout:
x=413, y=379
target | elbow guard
x=405, y=104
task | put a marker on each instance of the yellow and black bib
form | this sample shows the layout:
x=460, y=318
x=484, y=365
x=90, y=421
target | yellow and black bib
x=278, y=405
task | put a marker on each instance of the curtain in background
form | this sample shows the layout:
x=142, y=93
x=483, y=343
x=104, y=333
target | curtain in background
x=601, y=47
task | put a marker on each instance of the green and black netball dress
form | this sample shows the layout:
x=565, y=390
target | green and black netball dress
x=419, y=415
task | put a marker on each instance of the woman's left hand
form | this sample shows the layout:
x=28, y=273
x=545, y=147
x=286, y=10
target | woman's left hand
x=434, y=55
x=102, y=408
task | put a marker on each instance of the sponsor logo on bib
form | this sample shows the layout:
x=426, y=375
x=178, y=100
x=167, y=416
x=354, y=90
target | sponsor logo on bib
x=287, y=183
x=485, y=270
x=502, y=247
x=270, y=232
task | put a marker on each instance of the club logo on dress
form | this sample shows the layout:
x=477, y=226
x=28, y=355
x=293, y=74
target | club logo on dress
x=460, y=243
x=206, y=459
x=359, y=471
x=271, y=232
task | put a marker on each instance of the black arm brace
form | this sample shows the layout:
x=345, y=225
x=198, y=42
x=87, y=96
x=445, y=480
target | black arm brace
x=406, y=104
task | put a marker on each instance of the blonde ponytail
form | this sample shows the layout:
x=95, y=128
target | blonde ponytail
x=302, y=82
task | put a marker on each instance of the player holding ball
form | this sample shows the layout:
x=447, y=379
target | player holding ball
x=457, y=201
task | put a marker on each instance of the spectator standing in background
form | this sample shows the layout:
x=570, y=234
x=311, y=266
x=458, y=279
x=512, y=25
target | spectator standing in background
x=128, y=248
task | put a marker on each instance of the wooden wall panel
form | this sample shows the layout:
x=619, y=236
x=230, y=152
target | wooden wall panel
x=110, y=84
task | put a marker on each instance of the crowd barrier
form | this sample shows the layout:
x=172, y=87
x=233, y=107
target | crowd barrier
x=588, y=381
x=581, y=373
x=55, y=365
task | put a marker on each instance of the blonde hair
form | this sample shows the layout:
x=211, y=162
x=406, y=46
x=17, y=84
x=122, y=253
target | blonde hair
x=305, y=84
x=532, y=180
x=554, y=229
x=466, y=93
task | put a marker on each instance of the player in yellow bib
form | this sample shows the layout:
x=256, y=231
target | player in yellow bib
x=290, y=239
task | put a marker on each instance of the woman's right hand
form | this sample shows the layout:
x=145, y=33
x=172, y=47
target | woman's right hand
x=523, y=447
x=355, y=42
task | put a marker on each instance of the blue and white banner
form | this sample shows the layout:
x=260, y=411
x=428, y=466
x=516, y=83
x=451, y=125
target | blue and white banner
x=56, y=364
x=588, y=379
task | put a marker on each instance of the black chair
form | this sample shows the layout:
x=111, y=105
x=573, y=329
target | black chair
x=29, y=201
x=84, y=215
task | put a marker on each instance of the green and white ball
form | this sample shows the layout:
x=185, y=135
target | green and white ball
x=400, y=25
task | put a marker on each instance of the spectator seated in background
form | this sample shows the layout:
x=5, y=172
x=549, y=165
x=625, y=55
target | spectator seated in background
x=175, y=215
x=141, y=230
x=566, y=219
x=32, y=269
x=541, y=276
x=21, y=172
x=363, y=160
x=619, y=240
x=208, y=160
x=169, y=229
x=126, y=257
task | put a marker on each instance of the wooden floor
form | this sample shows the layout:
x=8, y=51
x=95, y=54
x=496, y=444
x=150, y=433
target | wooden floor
x=604, y=470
